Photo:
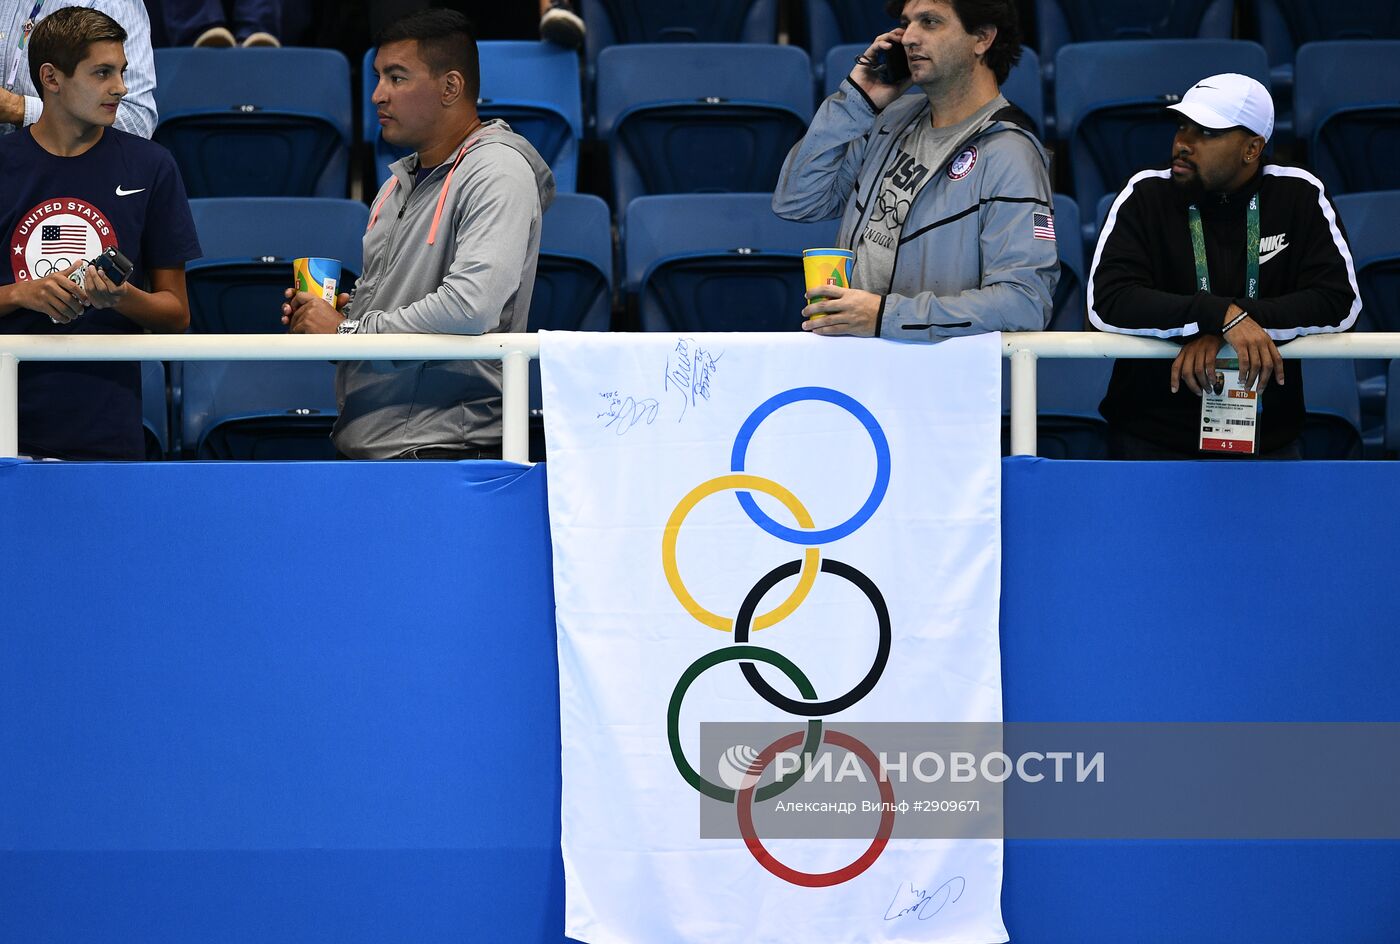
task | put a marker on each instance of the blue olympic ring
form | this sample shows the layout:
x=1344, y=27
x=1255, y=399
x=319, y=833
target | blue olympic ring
x=882, y=461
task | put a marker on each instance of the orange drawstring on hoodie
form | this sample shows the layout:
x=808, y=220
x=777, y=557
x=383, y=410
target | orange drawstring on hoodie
x=442, y=195
x=393, y=182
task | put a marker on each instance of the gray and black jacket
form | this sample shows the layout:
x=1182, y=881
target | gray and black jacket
x=968, y=260
x=455, y=254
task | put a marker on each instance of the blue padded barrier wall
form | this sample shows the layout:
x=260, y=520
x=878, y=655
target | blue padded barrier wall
x=1109, y=613
x=278, y=703
x=317, y=702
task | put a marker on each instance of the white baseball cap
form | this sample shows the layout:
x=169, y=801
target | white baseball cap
x=1229, y=100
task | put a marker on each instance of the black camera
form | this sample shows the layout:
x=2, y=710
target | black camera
x=112, y=264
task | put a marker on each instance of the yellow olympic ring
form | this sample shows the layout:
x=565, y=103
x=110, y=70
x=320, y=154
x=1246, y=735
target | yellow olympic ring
x=811, y=557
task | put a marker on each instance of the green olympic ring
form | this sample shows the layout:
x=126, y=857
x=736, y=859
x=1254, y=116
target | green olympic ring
x=673, y=719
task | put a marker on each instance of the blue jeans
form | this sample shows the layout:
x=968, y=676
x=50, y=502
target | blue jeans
x=186, y=19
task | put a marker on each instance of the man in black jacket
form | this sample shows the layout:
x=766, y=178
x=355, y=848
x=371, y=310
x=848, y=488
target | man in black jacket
x=1219, y=248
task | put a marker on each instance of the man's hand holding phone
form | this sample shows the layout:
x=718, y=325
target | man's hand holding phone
x=882, y=71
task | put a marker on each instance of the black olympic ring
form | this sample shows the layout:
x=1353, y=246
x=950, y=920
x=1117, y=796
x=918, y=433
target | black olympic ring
x=810, y=709
x=45, y=267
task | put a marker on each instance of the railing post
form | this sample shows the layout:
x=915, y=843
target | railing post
x=9, y=406
x=515, y=407
x=1023, y=403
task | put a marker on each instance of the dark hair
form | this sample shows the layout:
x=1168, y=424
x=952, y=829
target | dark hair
x=1005, y=51
x=446, y=42
x=62, y=38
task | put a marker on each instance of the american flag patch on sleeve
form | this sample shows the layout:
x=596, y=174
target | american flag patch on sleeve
x=1043, y=226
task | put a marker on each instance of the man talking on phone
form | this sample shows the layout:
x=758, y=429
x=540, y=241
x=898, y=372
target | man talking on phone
x=78, y=189
x=944, y=197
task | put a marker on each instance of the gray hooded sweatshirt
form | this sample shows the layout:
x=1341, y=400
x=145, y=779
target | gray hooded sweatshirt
x=455, y=254
x=977, y=250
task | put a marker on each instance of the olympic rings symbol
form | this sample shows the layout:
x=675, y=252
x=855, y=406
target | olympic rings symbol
x=882, y=464
x=749, y=620
x=816, y=879
x=811, y=559
x=44, y=267
x=810, y=709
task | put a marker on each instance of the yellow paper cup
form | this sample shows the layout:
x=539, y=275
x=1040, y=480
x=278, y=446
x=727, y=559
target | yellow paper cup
x=827, y=267
x=318, y=276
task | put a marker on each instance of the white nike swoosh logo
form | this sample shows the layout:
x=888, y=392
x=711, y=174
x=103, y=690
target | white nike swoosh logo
x=1271, y=253
x=127, y=193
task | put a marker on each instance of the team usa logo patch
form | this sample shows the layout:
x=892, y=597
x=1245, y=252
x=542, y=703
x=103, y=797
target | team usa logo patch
x=962, y=164
x=56, y=234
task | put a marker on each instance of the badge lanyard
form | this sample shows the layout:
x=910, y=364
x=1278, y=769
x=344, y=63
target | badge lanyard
x=24, y=32
x=1229, y=416
x=1251, y=243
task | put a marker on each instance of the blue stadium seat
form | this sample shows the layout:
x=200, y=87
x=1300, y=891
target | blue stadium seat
x=155, y=409
x=1369, y=222
x=1346, y=105
x=1374, y=237
x=832, y=23
x=256, y=122
x=1022, y=88
x=258, y=410
x=249, y=244
x=1284, y=26
x=694, y=118
x=1111, y=98
x=573, y=283
x=1068, y=393
x=1062, y=22
x=838, y=62
x=1332, y=426
x=717, y=262
x=678, y=21
x=249, y=410
x=1069, y=312
x=533, y=86
x=1068, y=425
x=1101, y=214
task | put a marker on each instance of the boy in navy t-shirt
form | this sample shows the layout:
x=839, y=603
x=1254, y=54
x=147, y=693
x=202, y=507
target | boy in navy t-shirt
x=75, y=187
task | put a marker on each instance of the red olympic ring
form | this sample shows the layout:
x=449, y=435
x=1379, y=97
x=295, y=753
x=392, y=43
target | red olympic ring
x=743, y=803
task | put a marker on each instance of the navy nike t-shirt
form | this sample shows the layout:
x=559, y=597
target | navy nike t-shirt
x=123, y=192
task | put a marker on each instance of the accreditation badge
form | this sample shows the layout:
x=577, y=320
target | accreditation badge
x=1229, y=412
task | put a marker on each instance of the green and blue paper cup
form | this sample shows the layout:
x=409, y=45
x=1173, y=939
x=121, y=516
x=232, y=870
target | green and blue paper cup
x=317, y=276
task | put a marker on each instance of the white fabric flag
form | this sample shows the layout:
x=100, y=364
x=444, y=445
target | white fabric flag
x=683, y=470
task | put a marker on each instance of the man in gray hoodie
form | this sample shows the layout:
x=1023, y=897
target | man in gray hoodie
x=452, y=245
x=944, y=197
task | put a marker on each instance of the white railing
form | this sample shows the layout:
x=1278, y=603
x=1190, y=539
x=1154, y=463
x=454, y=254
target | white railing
x=516, y=350
x=1024, y=349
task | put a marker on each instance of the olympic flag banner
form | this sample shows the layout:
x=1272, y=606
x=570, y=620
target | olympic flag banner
x=786, y=529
